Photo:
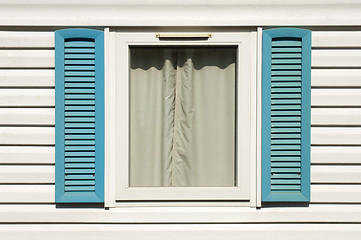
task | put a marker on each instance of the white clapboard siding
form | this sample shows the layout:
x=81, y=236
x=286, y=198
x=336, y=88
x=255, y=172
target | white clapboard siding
x=335, y=174
x=336, y=116
x=27, y=174
x=27, y=116
x=27, y=97
x=27, y=77
x=27, y=155
x=336, y=97
x=27, y=59
x=336, y=77
x=335, y=155
x=336, y=58
x=27, y=193
x=26, y=39
x=181, y=231
x=336, y=135
x=337, y=193
x=45, y=174
x=336, y=39
x=48, y=213
x=27, y=135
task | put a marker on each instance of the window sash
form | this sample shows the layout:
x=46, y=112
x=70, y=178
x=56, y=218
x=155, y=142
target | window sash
x=120, y=115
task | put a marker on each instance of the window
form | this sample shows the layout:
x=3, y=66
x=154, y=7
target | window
x=182, y=116
x=177, y=117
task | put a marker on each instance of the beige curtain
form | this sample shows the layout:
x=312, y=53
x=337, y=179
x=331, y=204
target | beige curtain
x=182, y=117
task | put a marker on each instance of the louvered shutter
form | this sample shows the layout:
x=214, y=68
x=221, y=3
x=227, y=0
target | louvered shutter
x=79, y=116
x=286, y=97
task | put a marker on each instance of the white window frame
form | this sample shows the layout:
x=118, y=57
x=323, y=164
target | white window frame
x=117, y=118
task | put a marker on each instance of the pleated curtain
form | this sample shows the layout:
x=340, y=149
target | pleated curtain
x=182, y=116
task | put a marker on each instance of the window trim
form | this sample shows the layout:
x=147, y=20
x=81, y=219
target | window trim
x=117, y=100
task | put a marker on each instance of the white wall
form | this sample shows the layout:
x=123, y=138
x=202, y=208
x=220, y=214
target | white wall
x=27, y=158
x=180, y=13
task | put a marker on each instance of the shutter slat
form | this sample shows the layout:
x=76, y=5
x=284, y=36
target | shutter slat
x=285, y=153
x=278, y=170
x=285, y=164
x=286, y=43
x=286, y=84
x=79, y=119
x=79, y=148
x=79, y=188
x=286, y=147
x=79, y=108
x=80, y=102
x=285, y=119
x=285, y=73
x=79, y=79
x=286, y=90
x=79, y=67
x=80, y=165
x=80, y=85
x=80, y=73
x=285, y=113
x=79, y=177
x=79, y=50
x=79, y=142
x=286, y=141
x=287, y=181
x=286, y=55
x=79, y=125
x=78, y=44
x=287, y=130
x=77, y=91
x=79, y=159
x=285, y=158
x=79, y=114
x=80, y=137
x=286, y=79
x=79, y=154
x=286, y=187
x=80, y=56
x=81, y=183
x=79, y=171
x=285, y=176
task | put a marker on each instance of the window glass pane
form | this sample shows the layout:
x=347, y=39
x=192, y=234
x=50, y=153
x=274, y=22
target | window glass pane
x=182, y=116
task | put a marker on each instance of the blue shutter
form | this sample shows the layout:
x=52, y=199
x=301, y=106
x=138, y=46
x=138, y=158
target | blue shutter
x=79, y=116
x=286, y=98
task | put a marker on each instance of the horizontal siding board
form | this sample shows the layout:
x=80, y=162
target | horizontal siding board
x=27, y=78
x=27, y=155
x=27, y=97
x=319, y=174
x=27, y=194
x=335, y=155
x=27, y=116
x=336, y=135
x=336, y=97
x=180, y=231
x=336, y=174
x=336, y=77
x=26, y=174
x=337, y=193
x=49, y=213
x=336, y=116
x=26, y=39
x=26, y=58
x=27, y=135
x=336, y=39
x=336, y=58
